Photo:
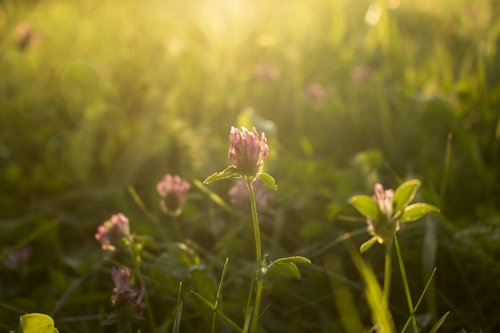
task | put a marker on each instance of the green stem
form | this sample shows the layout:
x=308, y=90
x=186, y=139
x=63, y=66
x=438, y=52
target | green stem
x=258, y=255
x=405, y=285
x=387, y=273
x=141, y=281
x=255, y=220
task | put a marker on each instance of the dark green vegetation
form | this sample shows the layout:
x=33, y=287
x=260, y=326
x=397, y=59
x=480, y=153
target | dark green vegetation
x=99, y=99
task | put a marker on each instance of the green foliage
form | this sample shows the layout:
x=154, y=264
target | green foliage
x=268, y=179
x=366, y=206
x=417, y=211
x=404, y=194
x=36, y=323
x=99, y=99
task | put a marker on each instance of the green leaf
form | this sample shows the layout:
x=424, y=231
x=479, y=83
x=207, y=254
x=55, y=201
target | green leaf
x=417, y=211
x=286, y=267
x=269, y=180
x=439, y=323
x=36, y=323
x=366, y=205
x=295, y=259
x=229, y=172
x=366, y=245
x=405, y=193
x=380, y=312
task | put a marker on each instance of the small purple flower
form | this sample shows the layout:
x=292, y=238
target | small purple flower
x=240, y=197
x=384, y=199
x=385, y=227
x=173, y=191
x=17, y=258
x=125, y=299
x=112, y=231
x=247, y=151
x=121, y=278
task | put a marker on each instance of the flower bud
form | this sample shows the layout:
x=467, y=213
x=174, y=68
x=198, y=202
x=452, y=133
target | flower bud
x=385, y=227
x=112, y=231
x=384, y=199
x=173, y=191
x=247, y=151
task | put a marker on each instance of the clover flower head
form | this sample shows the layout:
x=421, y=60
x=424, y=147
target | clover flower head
x=384, y=199
x=173, y=191
x=125, y=300
x=112, y=231
x=121, y=278
x=247, y=151
x=240, y=197
x=385, y=226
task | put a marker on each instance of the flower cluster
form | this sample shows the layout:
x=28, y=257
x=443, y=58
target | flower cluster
x=112, y=231
x=126, y=300
x=247, y=151
x=173, y=191
x=240, y=197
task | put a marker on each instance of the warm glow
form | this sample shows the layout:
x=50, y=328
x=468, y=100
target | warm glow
x=227, y=22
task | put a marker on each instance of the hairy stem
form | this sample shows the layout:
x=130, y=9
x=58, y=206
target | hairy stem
x=258, y=255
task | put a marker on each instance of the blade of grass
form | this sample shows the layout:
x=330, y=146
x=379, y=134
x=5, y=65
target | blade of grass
x=405, y=285
x=220, y=313
x=439, y=323
x=346, y=307
x=138, y=201
x=249, y=308
x=378, y=306
x=419, y=300
x=178, y=314
x=217, y=297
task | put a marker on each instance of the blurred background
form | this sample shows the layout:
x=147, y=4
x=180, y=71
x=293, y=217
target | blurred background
x=99, y=99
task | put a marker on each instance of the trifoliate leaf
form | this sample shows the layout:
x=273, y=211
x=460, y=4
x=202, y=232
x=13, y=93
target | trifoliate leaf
x=405, y=193
x=286, y=267
x=417, y=211
x=366, y=205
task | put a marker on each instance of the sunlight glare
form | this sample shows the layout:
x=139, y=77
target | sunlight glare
x=227, y=23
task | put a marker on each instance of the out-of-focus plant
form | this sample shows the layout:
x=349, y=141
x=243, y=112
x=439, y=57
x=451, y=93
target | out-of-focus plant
x=36, y=323
x=126, y=301
x=173, y=191
x=114, y=236
x=384, y=212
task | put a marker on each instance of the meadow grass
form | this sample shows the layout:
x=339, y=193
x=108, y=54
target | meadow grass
x=100, y=99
